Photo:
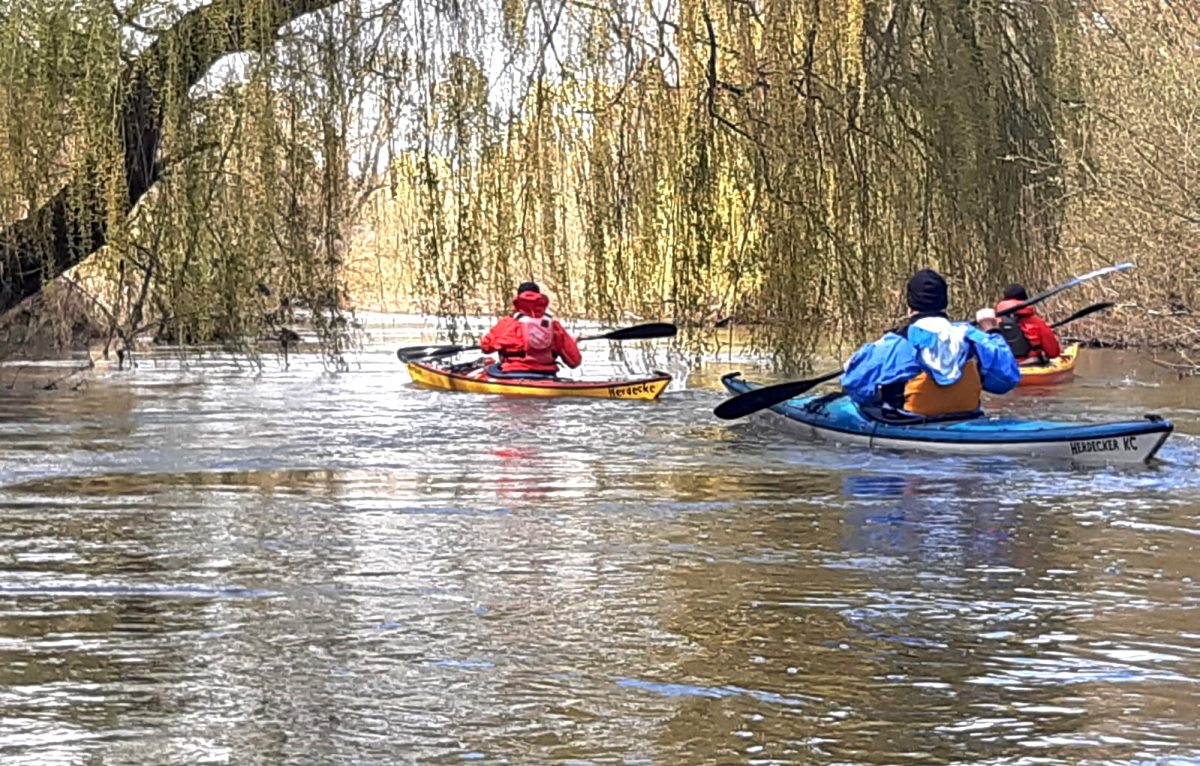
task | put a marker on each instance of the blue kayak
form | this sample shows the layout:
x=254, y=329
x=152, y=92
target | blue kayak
x=835, y=418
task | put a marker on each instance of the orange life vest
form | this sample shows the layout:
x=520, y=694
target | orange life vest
x=923, y=396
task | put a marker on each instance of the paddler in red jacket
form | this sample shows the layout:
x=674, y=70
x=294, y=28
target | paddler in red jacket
x=530, y=342
x=1027, y=334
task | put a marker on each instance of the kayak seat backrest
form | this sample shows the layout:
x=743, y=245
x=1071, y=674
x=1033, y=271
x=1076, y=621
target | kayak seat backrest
x=895, y=417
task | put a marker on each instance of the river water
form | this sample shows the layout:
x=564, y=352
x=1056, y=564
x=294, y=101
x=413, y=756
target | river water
x=201, y=562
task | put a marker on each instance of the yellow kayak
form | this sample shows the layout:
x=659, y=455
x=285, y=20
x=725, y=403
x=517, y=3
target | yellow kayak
x=478, y=382
x=1057, y=370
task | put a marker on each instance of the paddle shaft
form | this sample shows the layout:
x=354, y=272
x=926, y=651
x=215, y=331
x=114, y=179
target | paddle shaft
x=1075, y=282
x=580, y=339
x=1095, y=307
x=646, y=331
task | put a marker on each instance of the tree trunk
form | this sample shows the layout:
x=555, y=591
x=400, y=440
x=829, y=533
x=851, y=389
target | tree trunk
x=73, y=223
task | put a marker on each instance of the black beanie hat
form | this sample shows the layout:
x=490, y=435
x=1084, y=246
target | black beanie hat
x=528, y=287
x=1015, y=292
x=927, y=292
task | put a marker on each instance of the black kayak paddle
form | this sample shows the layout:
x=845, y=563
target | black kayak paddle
x=637, y=332
x=768, y=396
x=1088, y=311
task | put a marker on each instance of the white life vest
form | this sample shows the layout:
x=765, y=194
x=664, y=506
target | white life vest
x=539, y=339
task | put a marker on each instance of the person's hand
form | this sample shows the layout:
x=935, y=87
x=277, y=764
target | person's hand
x=986, y=319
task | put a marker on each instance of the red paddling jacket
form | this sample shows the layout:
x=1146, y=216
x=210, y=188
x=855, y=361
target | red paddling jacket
x=530, y=341
x=1039, y=336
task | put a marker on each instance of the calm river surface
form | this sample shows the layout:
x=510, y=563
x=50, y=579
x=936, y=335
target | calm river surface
x=207, y=564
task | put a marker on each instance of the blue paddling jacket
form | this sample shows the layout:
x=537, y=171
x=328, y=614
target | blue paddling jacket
x=931, y=367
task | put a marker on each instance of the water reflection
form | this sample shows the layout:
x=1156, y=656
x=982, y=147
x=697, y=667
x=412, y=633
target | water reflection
x=198, y=565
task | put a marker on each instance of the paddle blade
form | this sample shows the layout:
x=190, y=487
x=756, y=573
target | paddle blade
x=1096, y=307
x=768, y=396
x=639, y=332
x=412, y=353
x=1102, y=271
x=1066, y=285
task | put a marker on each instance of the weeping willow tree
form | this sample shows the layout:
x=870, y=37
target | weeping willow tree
x=785, y=161
x=194, y=185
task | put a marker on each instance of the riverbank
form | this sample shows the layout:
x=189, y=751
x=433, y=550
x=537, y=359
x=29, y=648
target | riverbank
x=42, y=349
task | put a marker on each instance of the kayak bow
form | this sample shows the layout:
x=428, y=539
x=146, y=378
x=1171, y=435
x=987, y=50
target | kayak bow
x=838, y=419
x=478, y=382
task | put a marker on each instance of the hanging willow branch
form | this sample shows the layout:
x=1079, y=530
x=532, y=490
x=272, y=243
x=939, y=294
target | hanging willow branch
x=74, y=222
x=783, y=164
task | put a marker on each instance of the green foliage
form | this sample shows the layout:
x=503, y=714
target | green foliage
x=787, y=162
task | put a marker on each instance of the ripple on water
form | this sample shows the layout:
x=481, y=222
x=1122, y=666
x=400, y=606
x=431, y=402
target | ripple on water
x=206, y=565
